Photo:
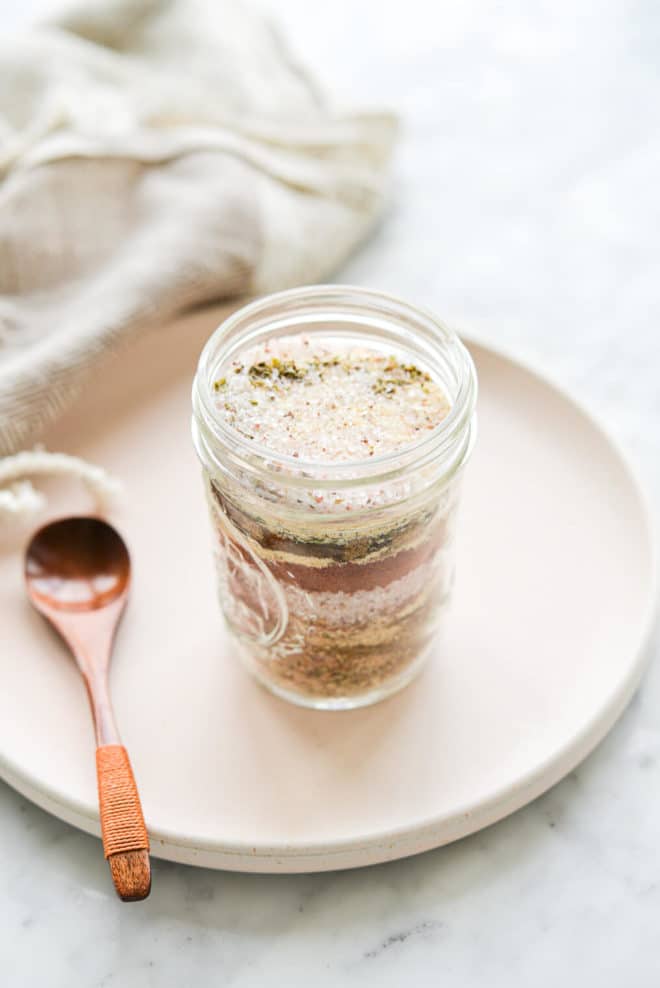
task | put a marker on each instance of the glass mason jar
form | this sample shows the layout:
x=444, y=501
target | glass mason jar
x=333, y=576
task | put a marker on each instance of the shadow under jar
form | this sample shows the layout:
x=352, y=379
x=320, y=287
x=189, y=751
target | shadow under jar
x=333, y=424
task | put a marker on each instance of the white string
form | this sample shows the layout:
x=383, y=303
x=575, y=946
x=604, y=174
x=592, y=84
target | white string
x=20, y=500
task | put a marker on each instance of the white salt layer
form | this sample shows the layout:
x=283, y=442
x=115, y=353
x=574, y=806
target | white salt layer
x=324, y=402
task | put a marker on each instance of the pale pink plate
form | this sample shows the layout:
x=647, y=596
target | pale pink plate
x=554, y=603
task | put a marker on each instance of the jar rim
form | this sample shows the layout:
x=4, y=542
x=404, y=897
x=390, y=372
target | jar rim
x=294, y=308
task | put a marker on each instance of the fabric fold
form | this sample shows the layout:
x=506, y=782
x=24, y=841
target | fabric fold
x=156, y=155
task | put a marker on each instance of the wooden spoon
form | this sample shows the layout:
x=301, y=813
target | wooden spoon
x=77, y=573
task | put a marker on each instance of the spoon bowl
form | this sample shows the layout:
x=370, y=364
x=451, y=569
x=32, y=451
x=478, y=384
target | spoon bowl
x=77, y=564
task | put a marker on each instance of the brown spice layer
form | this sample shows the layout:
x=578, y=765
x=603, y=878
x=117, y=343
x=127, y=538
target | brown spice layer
x=335, y=577
x=351, y=577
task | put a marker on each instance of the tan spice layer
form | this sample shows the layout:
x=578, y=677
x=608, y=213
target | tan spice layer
x=322, y=661
x=327, y=402
x=365, y=539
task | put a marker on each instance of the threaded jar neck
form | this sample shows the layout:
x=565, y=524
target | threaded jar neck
x=352, y=314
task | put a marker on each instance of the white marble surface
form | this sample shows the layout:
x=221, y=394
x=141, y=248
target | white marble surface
x=527, y=208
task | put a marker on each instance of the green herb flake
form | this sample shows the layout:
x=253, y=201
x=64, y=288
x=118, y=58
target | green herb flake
x=414, y=373
x=290, y=370
x=260, y=371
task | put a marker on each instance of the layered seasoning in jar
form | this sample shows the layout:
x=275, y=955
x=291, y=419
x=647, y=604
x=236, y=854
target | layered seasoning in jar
x=333, y=425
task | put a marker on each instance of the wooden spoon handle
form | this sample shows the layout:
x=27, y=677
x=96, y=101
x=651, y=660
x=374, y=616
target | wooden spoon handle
x=125, y=839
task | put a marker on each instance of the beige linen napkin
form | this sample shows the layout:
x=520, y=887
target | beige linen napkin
x=156, y=154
